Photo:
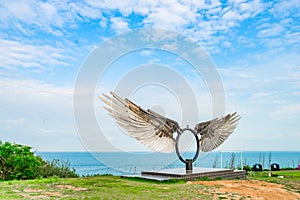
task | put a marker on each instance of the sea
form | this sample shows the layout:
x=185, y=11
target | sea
x=124, y=163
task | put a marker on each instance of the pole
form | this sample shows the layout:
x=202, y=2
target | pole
x=241, y=160
x=221, y=165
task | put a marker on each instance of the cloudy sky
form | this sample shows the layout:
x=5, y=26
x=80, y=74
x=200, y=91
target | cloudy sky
x=255, y=46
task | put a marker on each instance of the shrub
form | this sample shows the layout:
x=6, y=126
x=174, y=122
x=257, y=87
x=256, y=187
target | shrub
x=289, y=168
x=58, y=168
x=19, y=162
x=247, y=168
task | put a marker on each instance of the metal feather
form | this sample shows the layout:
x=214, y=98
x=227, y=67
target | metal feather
x=148, y=127
x=215, y=132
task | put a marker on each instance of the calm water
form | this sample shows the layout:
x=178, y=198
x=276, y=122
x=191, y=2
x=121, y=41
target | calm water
x=130, y=163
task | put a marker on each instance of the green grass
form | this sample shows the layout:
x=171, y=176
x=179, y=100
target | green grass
x=291, y=178
x=287, y=174
x=100, y=187
x=114, y=187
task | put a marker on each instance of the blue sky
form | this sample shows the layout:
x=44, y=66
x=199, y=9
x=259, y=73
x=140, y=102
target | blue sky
x=254, y=45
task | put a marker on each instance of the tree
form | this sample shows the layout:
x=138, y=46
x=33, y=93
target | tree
x=18, y=162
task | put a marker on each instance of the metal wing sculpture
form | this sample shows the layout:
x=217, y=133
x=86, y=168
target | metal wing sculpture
x=156, y=131
x=148, y=127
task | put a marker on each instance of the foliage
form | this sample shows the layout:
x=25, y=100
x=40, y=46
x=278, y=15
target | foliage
x=247, y=168
x=289, y=168
x=19, y=162
x=58, y=168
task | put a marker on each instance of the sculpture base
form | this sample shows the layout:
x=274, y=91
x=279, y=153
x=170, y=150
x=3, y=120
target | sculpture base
x=182, y=173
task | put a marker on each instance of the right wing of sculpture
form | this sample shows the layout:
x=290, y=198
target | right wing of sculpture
x=215, y=132
x=148, y=127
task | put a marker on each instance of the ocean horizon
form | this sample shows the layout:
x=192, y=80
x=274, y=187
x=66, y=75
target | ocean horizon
x=120, y=163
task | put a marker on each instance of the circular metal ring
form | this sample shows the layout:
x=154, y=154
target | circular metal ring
x=177, y=142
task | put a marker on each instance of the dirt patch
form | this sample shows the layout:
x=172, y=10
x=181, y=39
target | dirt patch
x=39, y=194
x=33, y=193
x=246, y=189
x=71, y=187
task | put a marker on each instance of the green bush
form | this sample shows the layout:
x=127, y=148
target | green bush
x=247, y=168
x=289, y=168
x=57, y=168
x=19, y=162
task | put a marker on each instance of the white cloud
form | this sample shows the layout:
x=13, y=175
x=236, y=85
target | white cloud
x=265, y=86
x=22, y=10
x=208, y=22
x=119, y=24
x=33, y=92
x=23, y=29
x=246, y=42
x=271, y=31
x=86, y=11
x=292, y=38
x=42, y=15
x=15, y=54
x=280, y=29
x=286, y=8
x=12, y=122
x=125, y=6
x=50, y=12
x=173, y=15
x=290, y=111
x=146, y=53
x=205, y=21
x=38, y=114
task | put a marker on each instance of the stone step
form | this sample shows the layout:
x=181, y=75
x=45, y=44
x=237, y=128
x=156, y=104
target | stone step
x=211, y=173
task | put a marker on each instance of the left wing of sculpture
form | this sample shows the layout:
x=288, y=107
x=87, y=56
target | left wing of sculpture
x=215, y=132
x=150, y=128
